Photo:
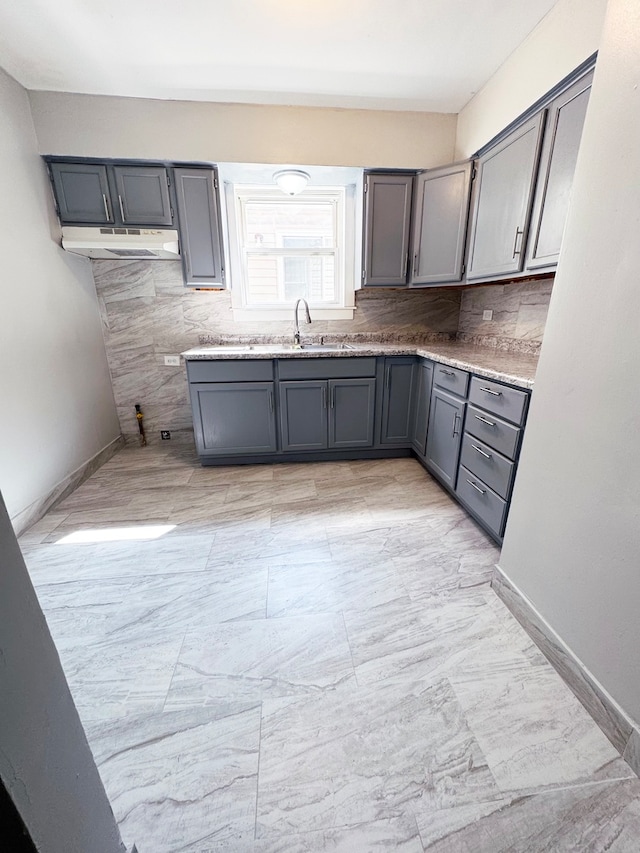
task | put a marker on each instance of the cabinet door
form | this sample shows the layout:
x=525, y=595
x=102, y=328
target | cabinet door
x=440, y=224
x=82, y=193
x=233, y=417
x=303, y=415
x=502, y=203
x=444, y=436
x=199, y=223
x=423, y=380
x=143, y=195
x=387, y=216
x=351, y=412
x=396, y=401
x=557, y=164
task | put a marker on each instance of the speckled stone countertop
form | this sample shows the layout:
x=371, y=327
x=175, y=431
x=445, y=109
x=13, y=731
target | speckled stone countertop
x=512, y=367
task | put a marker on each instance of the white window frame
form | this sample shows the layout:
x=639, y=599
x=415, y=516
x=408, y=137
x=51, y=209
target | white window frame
x=237, y=195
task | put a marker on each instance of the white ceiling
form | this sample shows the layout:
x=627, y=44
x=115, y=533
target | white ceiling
x=372, y=54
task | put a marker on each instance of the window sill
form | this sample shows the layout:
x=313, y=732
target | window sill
x=248, y=315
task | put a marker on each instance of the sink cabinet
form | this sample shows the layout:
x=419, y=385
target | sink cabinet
x=234, y=418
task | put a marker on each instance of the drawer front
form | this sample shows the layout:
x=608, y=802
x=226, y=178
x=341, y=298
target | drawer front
x=499, y=434
x=451, y=379
x=326, y=368
x=493, y=469
x=488, y=506
x=508, y=403
x=230, y=370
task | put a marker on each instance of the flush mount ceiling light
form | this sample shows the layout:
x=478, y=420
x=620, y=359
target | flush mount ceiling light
x=291, y=181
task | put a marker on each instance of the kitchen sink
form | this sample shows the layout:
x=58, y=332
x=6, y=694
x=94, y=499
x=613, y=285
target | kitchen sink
x=276, y=348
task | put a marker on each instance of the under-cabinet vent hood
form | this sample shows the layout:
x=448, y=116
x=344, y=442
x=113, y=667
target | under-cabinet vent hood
x=123, y=243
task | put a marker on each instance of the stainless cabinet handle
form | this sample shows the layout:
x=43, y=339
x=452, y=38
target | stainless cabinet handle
x=106, y=207
x=516, y=250
x=271, y=401
x=324, y=397
x=332, y=397
x=484, y=420
x=489, y=391
x=447, y=372
x=477, y=488
x=481, y=451
x=121, y=207
x=455, y=421
x=387, y=378
x=415, y=264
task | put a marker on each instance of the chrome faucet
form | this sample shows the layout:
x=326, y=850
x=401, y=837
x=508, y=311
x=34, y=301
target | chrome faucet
x=296, y=325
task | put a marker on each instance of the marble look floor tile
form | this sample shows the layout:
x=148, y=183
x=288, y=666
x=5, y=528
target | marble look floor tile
x=82, y=609
x=325, y=587
x=38, y=532
x=405, y=641
x=224, y=517
x=167, y=555
x=545, y=736
x=349, y=758
x=297, y=546
x=397, y=834
x=232, y=475
x=274, y=657
x=320, y=514
x=589, y=819
x=113, y=676
x=265, y=495
x=184, y=780
x=318, y=472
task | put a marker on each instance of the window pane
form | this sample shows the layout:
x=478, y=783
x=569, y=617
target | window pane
x=286, y=224
x=273, y=278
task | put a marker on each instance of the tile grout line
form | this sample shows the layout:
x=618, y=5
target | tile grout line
x=255, y=823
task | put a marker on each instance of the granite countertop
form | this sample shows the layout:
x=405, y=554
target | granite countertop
x=511, y=367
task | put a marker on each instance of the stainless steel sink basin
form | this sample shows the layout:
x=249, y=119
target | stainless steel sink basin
x=275, y=348
x=326, y=347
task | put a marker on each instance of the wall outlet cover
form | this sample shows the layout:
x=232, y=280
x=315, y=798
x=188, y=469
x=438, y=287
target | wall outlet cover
x=172, y=360
x=487, y=315
x=165, y=434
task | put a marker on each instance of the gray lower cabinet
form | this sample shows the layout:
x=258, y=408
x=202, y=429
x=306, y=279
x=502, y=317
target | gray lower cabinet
x=143, y=195
x=199, y=225
x=440, y=213
x=82, y=193
x=397, y=400
x=233, y=418
x=387, y=226
x=566, y=115
x=423, y=383
x=322, y=414
x=501, y=207
x=444, y=436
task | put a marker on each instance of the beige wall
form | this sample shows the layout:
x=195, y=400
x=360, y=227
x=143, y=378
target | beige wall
x=573, y=537
x=564, y=38
x=100, y=126
x=55, y=393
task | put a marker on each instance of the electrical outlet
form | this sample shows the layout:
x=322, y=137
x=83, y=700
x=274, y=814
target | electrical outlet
x=172, y=360
x=165, y=434
x=487, y=315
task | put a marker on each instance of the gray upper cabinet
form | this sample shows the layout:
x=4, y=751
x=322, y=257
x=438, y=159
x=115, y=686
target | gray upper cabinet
x=565, y=121
x=199, y=224
x=143, y=195
x=441, y=210
x=82, y=193
x=501, y=206
x=423, y=383
x=233, y=418
x=387, y=222
x=397, y=398
x=444, y=436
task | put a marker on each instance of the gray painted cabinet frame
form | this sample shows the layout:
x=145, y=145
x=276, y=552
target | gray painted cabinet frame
x=200, y=226
x=387, y=228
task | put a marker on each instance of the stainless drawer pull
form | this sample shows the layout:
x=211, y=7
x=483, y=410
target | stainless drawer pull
x=455, y=421
x=271, y=401
x=121, y=208
x=106, y=207
x=324, y=397
x=481, y=451
x=484, y=420
x=489, y=391
x=447, y=372
x=516, y=250
x=477, y=488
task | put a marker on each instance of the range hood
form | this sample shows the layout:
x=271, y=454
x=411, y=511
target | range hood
x=123, y=243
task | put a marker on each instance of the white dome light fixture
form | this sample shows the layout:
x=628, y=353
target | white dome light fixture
x=291, y=181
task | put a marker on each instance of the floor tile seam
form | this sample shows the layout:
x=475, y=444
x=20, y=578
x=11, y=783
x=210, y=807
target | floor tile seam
x=535, y=791
x=353, y=663
x=255, y=822
x=173, y=672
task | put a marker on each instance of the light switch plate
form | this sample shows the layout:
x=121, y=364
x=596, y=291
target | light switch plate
x=487, y=315
x=172, y=360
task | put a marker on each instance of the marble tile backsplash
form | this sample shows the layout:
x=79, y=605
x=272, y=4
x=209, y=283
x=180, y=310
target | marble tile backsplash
x=519, y=314
x=147, y=314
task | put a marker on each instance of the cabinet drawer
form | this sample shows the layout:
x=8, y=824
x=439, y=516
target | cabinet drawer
x=495, y=397
x=483, y=461
x=230, y=370
x=495, y=432
x=326, y=368
x=453, y=380
x=479, y=498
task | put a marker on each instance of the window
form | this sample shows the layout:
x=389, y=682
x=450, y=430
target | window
x=288, y=248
